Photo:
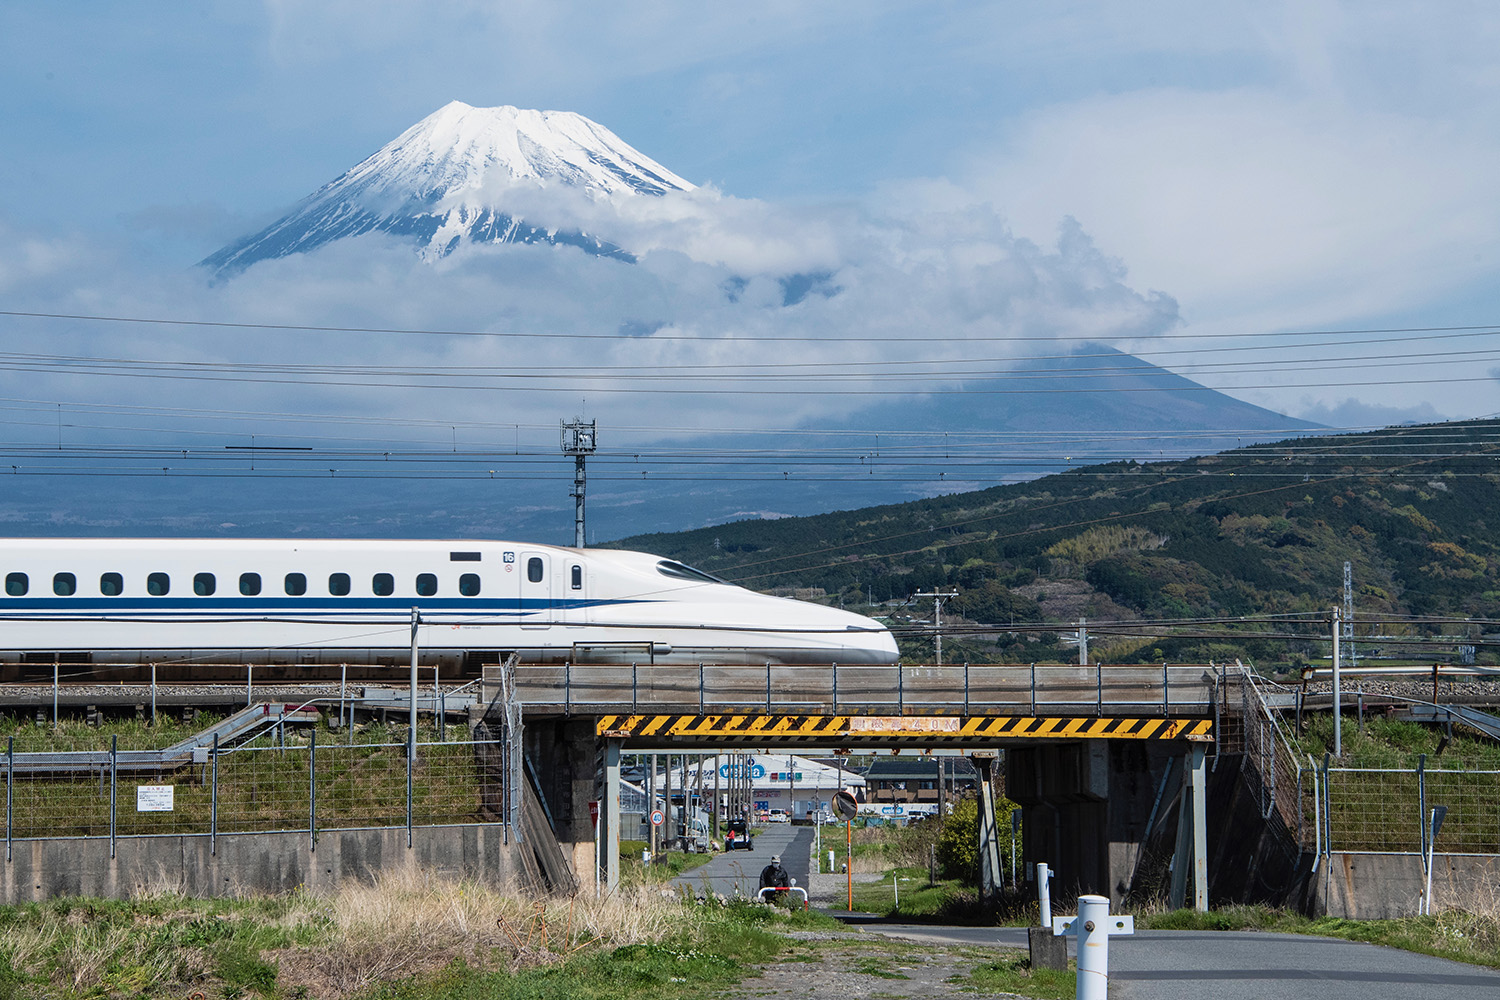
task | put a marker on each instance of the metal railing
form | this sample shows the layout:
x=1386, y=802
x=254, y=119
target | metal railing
x=881, y=689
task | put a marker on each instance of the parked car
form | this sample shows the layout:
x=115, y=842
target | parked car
x=737, y=836
x=778, y=816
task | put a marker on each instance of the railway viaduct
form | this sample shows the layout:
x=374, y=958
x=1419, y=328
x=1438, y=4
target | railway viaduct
x=1096, y=755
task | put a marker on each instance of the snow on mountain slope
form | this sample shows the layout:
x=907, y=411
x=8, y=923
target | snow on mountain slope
x=446, y=181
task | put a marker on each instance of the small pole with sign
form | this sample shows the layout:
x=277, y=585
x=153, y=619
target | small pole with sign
x=845, y=806
x=657, y=819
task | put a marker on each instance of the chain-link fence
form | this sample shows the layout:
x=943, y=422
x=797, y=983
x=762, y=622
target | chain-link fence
x=1382, y=810
x=274, y=784
x=1387, y=810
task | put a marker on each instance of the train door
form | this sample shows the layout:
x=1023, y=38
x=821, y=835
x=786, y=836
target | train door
x=573, y=593
x=536, y=590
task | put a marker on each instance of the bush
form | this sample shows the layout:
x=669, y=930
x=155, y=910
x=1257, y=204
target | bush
x=958, y=840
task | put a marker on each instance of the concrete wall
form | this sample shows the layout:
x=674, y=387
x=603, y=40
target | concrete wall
x=1383, y=886
x=249, y=863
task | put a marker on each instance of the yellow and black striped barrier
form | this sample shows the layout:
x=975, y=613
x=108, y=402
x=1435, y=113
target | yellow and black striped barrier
x=864, y=729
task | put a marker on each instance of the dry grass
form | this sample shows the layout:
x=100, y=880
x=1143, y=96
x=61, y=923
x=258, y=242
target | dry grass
x=412, y=921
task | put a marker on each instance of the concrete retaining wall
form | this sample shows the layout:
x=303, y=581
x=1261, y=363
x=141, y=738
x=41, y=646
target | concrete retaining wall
x=1383, y=886
x=250, y=863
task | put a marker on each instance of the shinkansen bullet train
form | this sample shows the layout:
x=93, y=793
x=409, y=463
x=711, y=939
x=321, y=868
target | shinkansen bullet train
x=293, y=601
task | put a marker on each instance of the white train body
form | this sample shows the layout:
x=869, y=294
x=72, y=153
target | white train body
x=331, y=601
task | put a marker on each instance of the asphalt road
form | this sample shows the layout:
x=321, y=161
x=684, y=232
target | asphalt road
x=1247, y=965
x=737, y=872
x=1164, y=965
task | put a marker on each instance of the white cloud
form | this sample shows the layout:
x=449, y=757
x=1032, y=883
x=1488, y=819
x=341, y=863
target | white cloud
x=709, y=287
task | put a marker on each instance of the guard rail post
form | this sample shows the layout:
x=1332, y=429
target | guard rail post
x=1093, y=927
x=312, y=791
x=10, y=772
x=213, y=801
x=1033, y=690
x=114, y=754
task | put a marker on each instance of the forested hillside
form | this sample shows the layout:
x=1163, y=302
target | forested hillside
x=1166, y=552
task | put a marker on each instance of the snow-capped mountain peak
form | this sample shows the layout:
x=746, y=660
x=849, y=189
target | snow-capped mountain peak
x=443, y=182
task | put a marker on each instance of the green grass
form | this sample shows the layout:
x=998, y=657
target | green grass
x=1012, y=973
x=1454, y=934
x=715, y=949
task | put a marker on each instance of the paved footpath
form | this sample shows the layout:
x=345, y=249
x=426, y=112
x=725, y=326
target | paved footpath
x=1247, y=965
x=737, y=873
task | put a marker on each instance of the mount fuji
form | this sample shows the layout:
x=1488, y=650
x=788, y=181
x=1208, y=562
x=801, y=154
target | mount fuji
x=446, y=181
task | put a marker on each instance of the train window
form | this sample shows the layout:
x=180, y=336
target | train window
x=16, y=584
x=468, y=585
x=534, y=569
x=204, y=584
x=677, y=570
x=426, y=584
x=111, y=584
x=384, y=585
x=577, y=577
x=249, y=584
x=338, y=584
x=296, y=584
x=64, y=584
x=158, y=584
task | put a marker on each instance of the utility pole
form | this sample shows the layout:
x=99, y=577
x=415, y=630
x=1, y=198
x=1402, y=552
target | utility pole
x=579, y=439
x=937, y=618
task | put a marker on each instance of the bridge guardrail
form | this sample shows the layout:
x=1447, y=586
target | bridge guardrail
x=863, y=689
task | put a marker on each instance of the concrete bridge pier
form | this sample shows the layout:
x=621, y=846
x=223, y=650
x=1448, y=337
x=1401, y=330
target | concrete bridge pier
x=562, y=762
x=1087, y=806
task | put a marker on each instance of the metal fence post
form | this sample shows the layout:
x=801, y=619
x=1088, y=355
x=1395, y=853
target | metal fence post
x=835, y=702
x=1166, y=699
x=10, y=771
x=567, y=688
x=634, y=690
x=114, y=753
x=966, y=688
x=1099, y=688
x=700, y=687
x=1422, y=800
x=312, y=792
x=1327, y=810
x=1033, y=690
x=213, y=801
x=768, y=687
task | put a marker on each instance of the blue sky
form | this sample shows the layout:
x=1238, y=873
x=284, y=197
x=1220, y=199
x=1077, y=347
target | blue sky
x=1235, y=170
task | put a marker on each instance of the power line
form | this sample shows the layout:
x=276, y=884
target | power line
x=410, y=331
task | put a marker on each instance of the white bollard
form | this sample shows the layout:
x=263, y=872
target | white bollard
x=1044, y=892
x=1093, y=927
x=832, y=865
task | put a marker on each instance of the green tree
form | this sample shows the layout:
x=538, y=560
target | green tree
x=958, y=841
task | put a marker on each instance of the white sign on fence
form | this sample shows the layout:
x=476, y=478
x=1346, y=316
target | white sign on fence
x=153, y=798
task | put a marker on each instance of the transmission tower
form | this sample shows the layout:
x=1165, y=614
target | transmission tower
x=1348, y=644
x=579, y=439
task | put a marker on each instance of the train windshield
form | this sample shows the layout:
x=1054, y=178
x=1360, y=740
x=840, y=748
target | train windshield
x=677, y=570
